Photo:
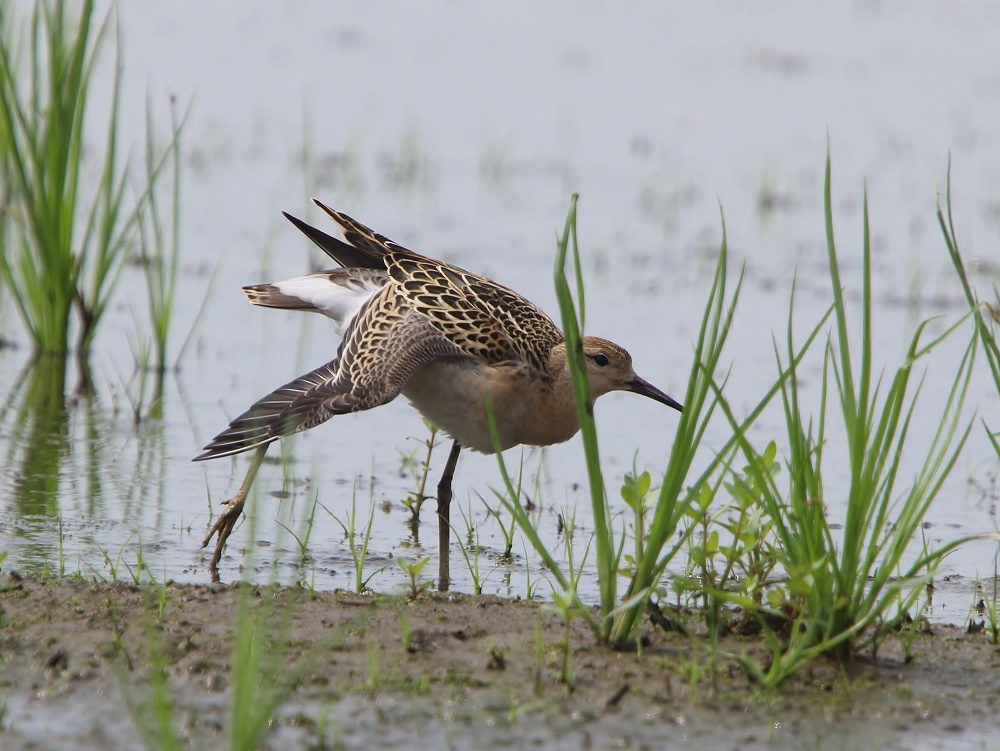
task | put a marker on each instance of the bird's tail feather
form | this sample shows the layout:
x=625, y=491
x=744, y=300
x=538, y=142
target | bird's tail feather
x=269, y=296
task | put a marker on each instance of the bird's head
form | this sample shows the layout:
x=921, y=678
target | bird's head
x=609, y=368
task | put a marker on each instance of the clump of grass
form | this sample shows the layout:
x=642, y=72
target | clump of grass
x=681, y=501
x=158, y=236
x=160, y=244
x=64, y=248
x=838, y=592
x=986, y=317
x=837, y=589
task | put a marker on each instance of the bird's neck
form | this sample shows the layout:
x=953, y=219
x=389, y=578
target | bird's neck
x=554, y=411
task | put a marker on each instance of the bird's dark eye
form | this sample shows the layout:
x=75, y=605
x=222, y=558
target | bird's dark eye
x=601, y=360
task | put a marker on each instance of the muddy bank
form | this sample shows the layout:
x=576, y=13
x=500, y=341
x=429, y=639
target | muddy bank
x=448, y=671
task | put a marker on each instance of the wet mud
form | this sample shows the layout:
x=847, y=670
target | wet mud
x=449, y=671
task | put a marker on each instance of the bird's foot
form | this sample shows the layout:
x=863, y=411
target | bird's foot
x=223, y=527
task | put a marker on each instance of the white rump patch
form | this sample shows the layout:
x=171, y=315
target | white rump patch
x=336, y=301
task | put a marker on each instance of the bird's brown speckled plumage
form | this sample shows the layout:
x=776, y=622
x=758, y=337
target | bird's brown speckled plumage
x=426, y=310
x=451, y=341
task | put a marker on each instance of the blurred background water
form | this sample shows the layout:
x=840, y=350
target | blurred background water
x=461, y=130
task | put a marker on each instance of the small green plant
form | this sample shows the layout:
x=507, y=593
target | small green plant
x=566, y=603
x=530, y=585
x=158, y=237
x=140, y=567
x=303, y=536
x=407, y=629
x=750, y=556
x=506, y=529
x=635, y=491
x=989, y=601
x=258, y=678
x=539, y=657
x=359, y=550
x=161, y=597
x=421, y=470
x=149, y=701
x=327, y=735
x=62, y=550
x=567, y=606
x=159, y=240
x=497, y=656
x=412, y=569
x=693, y=666
x=471, y=550
x=113, y=565
x=908, y=626
x=731, y=557
x=374, y=675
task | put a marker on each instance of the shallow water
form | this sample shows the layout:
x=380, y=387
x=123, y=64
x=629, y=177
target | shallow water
x=462, y=132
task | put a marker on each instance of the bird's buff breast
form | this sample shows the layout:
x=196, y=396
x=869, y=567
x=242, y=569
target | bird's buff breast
x=452, y=394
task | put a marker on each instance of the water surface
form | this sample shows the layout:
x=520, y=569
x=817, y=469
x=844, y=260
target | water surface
x=461, y=132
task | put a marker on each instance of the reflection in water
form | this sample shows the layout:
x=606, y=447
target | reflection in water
x=39, y=436
x=144, y=485
x=62, y=460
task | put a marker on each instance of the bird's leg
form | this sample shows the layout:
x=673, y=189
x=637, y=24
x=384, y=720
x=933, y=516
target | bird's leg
x=223, y=526
x=444, y=517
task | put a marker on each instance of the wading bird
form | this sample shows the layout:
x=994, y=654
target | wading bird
x=449, y=340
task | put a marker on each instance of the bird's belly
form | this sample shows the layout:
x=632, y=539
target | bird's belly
x=452, y=394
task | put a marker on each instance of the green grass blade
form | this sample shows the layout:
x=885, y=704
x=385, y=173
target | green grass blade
x=572, y=314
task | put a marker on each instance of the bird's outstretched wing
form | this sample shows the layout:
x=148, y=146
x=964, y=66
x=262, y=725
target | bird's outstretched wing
x=268, y=419
x=386, y=344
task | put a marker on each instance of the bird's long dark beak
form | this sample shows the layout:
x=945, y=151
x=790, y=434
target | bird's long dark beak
x=639, y=386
